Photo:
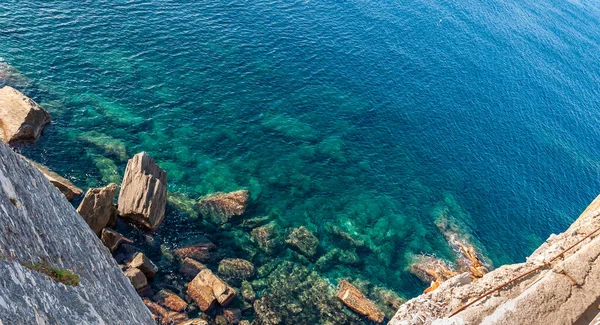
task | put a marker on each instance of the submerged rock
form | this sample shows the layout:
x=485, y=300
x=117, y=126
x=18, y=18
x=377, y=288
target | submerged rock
x=21, y=119
x=198, y=249
x=144, y=264
x=163, y=316
x=97, y=208
x=62, y=184
x=143, y=192
x=358, y=302
x=304, y=241
x=236, y=268
x=266, y=237
x=207, y=289
x=222, y=206
x=248, y=292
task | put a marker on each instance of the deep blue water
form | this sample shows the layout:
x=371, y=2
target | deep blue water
x=371, y=116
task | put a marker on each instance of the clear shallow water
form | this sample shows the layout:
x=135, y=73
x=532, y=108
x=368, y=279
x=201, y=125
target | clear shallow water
x=371, y=116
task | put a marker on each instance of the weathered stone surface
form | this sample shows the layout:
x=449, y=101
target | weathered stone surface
x=206, y=288
x=143, y=195
x=144, y=264
x=163, y=316
x=38, y=224
x=112, y=239
x=97, y=207
x=62, y=184
x=303, y=240
x=21, y=119
x=562, y=293
x=266, y=237
x=137, y=278
x=236, y=268
x=198, y=249
x=190, y=267
x=170, y=300
x=222, y=206
x=195, y=321
x=358, y=302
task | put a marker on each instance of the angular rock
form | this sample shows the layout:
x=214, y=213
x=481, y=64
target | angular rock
x=21, y=119
x=357, y=301
x=170, y=300
x=266, y=237
x=144, y=264
x=236, y=268
x=162, y=316
x=222, y=206
x=304, y=241
x=207, y=288
x=143, y=195
x=112, y=239
x=137, y=278
x=190, y=267
x=97, y=207
x=62, y=184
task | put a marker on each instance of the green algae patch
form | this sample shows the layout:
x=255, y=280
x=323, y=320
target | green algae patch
x=107, y=143
x=66, y=277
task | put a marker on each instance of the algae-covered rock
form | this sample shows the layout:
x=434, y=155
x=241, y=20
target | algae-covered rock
x=222, y=206
x=248, y=292
x=21, y=119
x=236, y=268
x=182, y=203
x=303, y=240
x=107, y=143
x=267, y=237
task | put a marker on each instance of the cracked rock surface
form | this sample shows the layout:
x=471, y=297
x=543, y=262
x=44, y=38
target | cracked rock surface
x=38, y=225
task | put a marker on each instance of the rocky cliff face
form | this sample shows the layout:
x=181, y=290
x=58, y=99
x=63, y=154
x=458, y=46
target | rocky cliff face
x=40, y=234
x=558, y=284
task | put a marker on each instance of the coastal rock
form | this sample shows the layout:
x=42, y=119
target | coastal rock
x=190, y=268
x=170, y=300
x=144, y=264
x=143, y=193
x=137, y=278
x=304, y=241
x=62, y=184
x=21, y=119
x=431, y=270
x=266, y=237
x=248, y=292
x=233, y=315
x=222, y=206
x=195, y=321
x=357, y=301
x=112, y=239
x=236, y=268
x=164, y=317
x=207, y=288
x=40, y=226
x=97, y=207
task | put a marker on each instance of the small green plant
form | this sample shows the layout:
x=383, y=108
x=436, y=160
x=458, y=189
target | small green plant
x=63, y=276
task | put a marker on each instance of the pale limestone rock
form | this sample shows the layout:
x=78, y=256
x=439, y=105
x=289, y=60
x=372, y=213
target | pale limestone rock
x=143, y=192
x=97, y=207
x=144, y=264
x=21, y=119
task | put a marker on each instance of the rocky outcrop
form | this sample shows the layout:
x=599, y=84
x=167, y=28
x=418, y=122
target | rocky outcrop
x=21, y=119
x=62, y=184
x=222, y=206
x=207, y=289
x=304, y=241
x=558, y=284
x=40, y=226
x=143, y=195
x=358, y=302
x=97, y=207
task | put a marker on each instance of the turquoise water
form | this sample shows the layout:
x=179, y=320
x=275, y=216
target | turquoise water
x=370, y=116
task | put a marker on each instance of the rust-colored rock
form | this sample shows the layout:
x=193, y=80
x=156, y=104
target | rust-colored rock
x=233, y=315
x=207, y=288
x=137, y=278
x=198, y=249
x=144, y=264
x=143, y=195
x=431, y=270
x=163, y=316
x=190, y=268
x=62, y=184
x=170, y=300
x=97, y=207
x=21, y=119
x=358, y=302
x=222, y=206
x=469, y=259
